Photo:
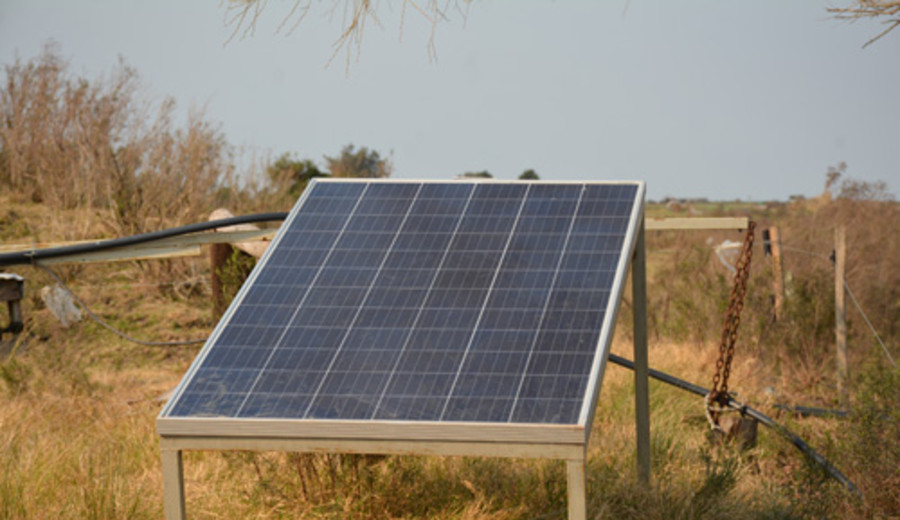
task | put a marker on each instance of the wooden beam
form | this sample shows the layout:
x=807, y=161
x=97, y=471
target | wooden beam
x=253, y=248
x=16, y=248
x=173, y=247
x=688, y=223
x=191, y=239
x=255, y=240
x=216, y=237
x=125, y=254
x=250, y=235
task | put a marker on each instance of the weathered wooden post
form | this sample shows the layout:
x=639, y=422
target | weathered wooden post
x=218, y=257
x=12, y=290
x=220, y=253
x=840, y=311
x=777, y=270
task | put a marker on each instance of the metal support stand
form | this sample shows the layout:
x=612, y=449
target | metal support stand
x=173, y=483
x=171, y=448
x=572, y=452
x=575, y=485
x=641, y=370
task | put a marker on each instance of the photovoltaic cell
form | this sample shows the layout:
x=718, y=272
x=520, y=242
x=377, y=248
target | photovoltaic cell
x=422, y=301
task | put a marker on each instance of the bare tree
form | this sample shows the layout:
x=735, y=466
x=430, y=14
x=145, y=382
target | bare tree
x=888, y=11
x=74, y=142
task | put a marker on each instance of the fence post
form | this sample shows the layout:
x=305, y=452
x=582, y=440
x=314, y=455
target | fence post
x=218, y=257
x=777, y=270
x=840, y=310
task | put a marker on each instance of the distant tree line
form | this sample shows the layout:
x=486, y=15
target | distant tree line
x=294, y=174
x=527, y=175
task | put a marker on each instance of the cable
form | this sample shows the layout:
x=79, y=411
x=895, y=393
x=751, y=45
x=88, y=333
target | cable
x=36, y=255
x=804, y=411
x=804, y=252
x=109, y=327
x=869, y=323
x=799, y=443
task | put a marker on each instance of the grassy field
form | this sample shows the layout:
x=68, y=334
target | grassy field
x=78, y=435
x=78, y=409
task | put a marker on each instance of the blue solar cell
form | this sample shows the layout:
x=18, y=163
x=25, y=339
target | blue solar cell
x=454, y=301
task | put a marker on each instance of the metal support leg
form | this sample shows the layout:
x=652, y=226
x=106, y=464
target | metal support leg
x=576, y=489
x=641, y=371
x=173, y=484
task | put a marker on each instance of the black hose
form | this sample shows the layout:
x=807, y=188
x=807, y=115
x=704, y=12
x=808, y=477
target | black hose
x=804, y=411
x=36, y=255
x=756, y=414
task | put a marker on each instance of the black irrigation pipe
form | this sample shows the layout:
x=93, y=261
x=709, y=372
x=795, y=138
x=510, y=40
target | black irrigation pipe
x=756, y=414
x=805, y=411
x=36, y=255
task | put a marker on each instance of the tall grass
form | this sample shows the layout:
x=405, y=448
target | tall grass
x=689, y=288
x=78, y=436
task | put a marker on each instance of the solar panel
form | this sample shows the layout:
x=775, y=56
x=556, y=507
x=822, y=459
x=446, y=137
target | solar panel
x=397, y=302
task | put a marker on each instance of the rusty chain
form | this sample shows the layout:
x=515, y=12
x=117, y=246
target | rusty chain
x=719, y=392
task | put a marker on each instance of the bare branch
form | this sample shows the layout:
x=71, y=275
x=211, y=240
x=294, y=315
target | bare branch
x=243, y=15
x=886, y=10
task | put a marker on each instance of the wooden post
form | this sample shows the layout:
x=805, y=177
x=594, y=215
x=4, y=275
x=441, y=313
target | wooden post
x=173, y=483
x=12, y=290
x=575, y=486
x=777, y=270
x=220, y=253
x=218, y=257
x=840, y=310
x=641, y=369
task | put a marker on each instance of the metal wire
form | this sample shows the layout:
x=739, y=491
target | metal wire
x=852, y=297
x=109, y=327
x=869, y=323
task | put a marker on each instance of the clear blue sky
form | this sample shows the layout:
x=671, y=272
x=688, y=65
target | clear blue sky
x=719, y=99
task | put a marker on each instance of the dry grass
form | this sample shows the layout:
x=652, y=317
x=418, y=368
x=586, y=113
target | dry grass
x=78, y=430
x=78, y=409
